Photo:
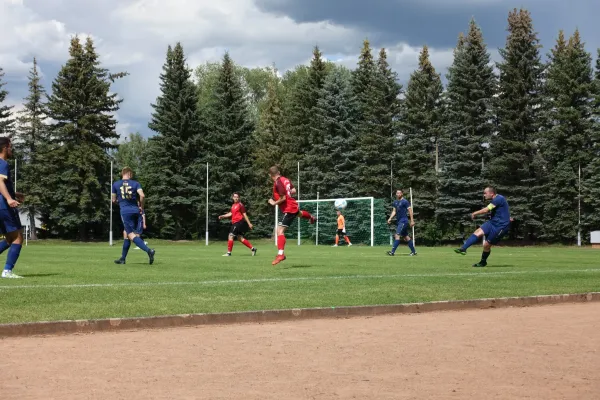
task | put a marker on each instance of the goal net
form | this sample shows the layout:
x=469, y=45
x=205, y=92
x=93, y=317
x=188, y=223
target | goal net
x=365, y=219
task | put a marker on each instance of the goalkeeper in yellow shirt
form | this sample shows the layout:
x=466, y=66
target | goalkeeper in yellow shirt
x=341, y=230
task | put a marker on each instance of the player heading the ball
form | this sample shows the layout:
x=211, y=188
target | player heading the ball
x=283, y=190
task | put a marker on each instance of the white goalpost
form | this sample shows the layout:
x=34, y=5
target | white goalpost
x=360, y=218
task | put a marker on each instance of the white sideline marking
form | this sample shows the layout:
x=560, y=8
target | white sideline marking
x=293, y=279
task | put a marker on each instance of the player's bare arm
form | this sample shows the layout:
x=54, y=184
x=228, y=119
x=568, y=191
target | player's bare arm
x=389, y=221
x=247, y=220
x=483, y=211
x=141, y=198
x=278, y=202
x=114, y=197
x=4, y=191
x=228, y=215
x=410, y=212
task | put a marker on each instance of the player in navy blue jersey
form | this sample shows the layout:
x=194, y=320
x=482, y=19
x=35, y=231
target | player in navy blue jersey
x=10, y=221
x=402, y=210
x=494, y=229
x=130, y=196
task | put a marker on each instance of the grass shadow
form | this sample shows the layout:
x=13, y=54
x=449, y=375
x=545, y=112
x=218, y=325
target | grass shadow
x=38, y=275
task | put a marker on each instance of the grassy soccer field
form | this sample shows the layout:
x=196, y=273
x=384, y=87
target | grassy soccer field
x=65, y=280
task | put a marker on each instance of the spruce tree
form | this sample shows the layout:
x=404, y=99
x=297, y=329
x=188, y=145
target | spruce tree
x=332, y=159
x=6, y=120
x=299, y=136
x=421, y=131
x=591, y=172
x=567, y=143
x=174, y=175
x=468, y=126
x=228, y=140
x=513, y=166
x=81, y=106
x=33, y=145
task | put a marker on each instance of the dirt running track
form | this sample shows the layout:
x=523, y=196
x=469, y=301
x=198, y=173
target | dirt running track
x=550, y=352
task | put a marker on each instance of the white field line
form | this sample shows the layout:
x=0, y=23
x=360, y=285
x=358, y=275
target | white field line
x=296, y=279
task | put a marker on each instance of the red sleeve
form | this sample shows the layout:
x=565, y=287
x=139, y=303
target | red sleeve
x=242, y=209
x=280, y=188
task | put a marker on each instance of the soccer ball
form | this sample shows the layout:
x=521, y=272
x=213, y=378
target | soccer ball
x=340, y=204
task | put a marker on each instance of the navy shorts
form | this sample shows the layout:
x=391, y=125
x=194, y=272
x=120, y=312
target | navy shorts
x=10, y=221
x=402, y=229
x=493, y=233
x=133, y=223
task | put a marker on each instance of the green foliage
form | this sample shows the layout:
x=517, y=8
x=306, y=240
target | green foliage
x=173, y=172
x=514, y=164
x=567, y=143
x=77, y=165
x=33, y=138
x=468, y=127
x=421, y=130
x=6, y=120
x=132, y=153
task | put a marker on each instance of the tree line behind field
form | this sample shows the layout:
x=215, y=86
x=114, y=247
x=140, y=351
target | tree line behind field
x=526, y=125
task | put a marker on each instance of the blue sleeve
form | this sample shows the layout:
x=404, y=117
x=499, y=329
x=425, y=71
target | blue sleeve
x=4, y=169
x=497, y=201
x=137, y=186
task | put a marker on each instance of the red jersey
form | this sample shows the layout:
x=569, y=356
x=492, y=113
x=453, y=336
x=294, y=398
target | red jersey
x=282, y=187
x=237, y=212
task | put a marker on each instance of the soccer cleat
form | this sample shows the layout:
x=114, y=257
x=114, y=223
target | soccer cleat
x=413, y=254
x=228, y=254
x=10, y=275
x=480, y=264
x=460, y=251
x=335, y=245
x=151, y=253
x=278, y=259
x=349, y=244
x=120, y=261
x=389, y=253
x=253, y=251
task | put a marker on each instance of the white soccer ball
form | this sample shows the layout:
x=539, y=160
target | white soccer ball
x=340, y=204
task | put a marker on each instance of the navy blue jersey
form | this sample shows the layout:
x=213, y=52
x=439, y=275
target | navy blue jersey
x=5, y=173
x=127, y=195
x=500, y=211
x=401, y=207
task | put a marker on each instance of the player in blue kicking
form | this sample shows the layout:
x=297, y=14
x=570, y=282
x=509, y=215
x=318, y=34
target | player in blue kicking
x=494, y=229
x=10, y=221
x=402, y=210
x=130, y=196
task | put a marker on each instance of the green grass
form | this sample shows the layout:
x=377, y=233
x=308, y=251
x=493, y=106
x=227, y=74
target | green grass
x=79, y=281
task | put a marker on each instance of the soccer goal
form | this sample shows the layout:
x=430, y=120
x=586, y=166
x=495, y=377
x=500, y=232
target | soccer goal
x=359, y=216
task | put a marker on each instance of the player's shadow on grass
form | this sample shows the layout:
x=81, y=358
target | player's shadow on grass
x=38, y=275
x=500, y=266
x=299, y=266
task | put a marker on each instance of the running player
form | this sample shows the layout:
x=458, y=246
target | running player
x=401, y=210
x=240, y=223
x=130, y=196
x=341, y=230
x=494, y=229
x=282, y=197
x=10, y=221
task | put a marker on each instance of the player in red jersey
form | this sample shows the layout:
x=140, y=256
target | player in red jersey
x=240, y=223
x=283, y=190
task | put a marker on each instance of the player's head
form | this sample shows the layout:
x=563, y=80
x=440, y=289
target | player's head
x=338, y=212
x=127, y=173
x=5, y=147
x=236, y=197
x=274, y=172
x=489, y=192
x=399, y=194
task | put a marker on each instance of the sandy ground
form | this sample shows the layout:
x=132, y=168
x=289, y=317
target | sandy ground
x=550, y=352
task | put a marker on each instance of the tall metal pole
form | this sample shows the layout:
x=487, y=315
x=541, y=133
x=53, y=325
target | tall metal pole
x=15, y=187
x=298, y=193
x=110, y=224
x=207, y=204
x=579, y=200
x=317, y=223
x=413, y=207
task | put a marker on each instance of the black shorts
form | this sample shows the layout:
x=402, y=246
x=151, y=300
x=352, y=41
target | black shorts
x=341, y=232
x=288, y=218
x=239, y=228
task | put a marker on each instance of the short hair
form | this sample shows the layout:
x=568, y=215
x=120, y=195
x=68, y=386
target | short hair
x=127, y=170
x=274, y=170
x=491, y=189
x=234, y=193
x=4, y=142
x=399, y=190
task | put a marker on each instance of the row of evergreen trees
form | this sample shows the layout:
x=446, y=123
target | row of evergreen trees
x=527, y=128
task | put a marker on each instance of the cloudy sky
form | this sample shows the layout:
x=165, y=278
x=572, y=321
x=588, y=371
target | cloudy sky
x=133, y=35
